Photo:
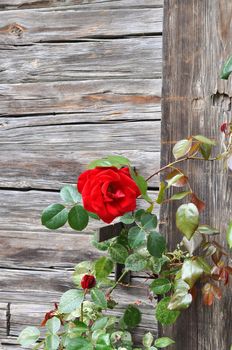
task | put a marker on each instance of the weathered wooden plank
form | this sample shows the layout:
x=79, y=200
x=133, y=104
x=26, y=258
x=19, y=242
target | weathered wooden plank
x=198, y=103
x=26, y=208
x=127, y=58
x=83, y=96
x=4, y=308
x=31, y=26
x=120, y=136
x=67, y=4
x=50, y=168
x=9, y=343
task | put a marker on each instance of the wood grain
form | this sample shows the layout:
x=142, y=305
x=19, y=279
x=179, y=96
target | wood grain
x=83, y=60
x=192, y=104
x=103, y=4
x=33, y=26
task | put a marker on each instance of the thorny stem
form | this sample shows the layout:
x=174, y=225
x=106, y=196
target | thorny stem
x=118, y=281
x=176, y=162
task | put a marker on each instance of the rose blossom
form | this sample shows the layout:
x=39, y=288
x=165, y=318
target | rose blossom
x=88, y=282
x=108, y=192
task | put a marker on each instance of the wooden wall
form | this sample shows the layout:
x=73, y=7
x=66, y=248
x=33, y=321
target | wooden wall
x=79, y=79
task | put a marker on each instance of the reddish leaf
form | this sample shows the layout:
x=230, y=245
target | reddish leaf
x=228, y=269
x=216, y=257
x=193, y=292
x=49, y=315
x=198, y=203
x=181, y=182
x=217, y=292
x=194, y=149
x=208, y=295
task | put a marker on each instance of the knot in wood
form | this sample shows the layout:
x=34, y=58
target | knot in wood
x=16, y=29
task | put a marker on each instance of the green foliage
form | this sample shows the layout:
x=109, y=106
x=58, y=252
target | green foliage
x=160, y=286
x=136, y=237
x=29, y=336
x=118, y=253
x=156, y=244
x=116, y=161
x=181, y=148
x=98, y=298
x=164, y=315
x=229, y=235
x=135, y=262
x=78, y=218
x=54, y=216
x=132, y=316
x=227, y=69
x=71, y=300
x=103, y=267
x=187, y=219
x=163, y=342
x=70, y=195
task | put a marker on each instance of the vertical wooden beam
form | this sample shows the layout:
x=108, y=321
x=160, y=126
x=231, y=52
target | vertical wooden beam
x=197, y=39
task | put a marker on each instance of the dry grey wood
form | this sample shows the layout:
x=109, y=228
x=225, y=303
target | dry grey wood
x=4, y=308
x=83, y=60
x=33, y=26
x=196, y=101
x=104, y=4
x=116, y=95
x=50, y=167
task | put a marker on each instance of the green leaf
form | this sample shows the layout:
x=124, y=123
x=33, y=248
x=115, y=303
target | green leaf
x=136, y=237
x=98, y=298
x=135, y=262
x=149, y=221
x=174, y=180
x=118, y=253
x=93, y=215
x=127, y=219
x=160, y=286
x=163, y=342
x=161, y=195
x=138, y=214
x=205, y=150
x=99, y=163
x=53, y=325
x=187, y=219
x=204, y=140
x=78, y=344
x=180, y=300
x=207, y=230
x=229, y=235
x=204, y=265
x=191, y=271
x=132, y=316
x=78, y=218
x=119, y=160
x=100, y=323
x=227, y=69
x=28, y=336
x=181, y=148
x=71, y=300
x=69, y=194
x=180, y=195
x=163, y=314
x=54, y=216
x=148, y=340
x=141, y=183
x=103, y=342
x=52, y=342
x=103, y=267
x=156, y=244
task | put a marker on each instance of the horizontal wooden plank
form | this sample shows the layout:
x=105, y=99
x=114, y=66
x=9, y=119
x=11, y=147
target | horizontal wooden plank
x=110, y=136
x=4, y=308
x=127, y=58
x=67, y=4
x=20, y=211
x=9, y=343
x=134, y=95
x=50, y=167
x=31, y=26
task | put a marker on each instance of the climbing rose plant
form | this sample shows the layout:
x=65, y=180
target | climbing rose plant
x=107, y=191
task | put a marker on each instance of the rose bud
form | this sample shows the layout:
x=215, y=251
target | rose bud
x=224, y=127
x=49, y=315
x=108, y=192
x=88, y=282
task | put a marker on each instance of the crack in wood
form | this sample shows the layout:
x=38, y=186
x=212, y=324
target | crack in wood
x=222, y=100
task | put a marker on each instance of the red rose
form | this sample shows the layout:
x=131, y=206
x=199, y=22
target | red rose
x=88, y=282
x=108, y=192
x=224, y=127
